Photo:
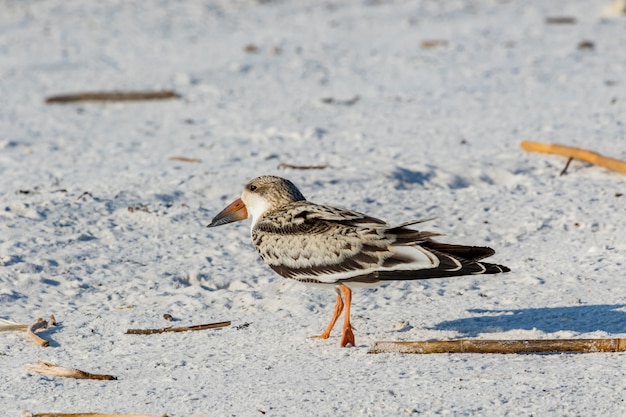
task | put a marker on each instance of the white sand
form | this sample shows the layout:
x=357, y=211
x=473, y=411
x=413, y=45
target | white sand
x=432, y=132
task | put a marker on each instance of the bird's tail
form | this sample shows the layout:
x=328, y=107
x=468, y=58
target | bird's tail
x=454, y=261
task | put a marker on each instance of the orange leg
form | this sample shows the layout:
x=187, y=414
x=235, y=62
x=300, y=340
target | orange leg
x=347, y=337
x=338, y=308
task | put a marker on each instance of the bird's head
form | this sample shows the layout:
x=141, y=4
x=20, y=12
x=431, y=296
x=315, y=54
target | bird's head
x=262, y=194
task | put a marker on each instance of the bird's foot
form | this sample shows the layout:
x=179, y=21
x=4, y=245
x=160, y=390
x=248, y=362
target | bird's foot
x=324, y=335
x=347, y=337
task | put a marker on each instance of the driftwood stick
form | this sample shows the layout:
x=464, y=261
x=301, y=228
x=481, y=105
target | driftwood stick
x=560, y=20
x=113, y=96
x=179, y=329
x=433, y=43
x=88, y=415
x=38, y=325
x=577, y=153
x=8, y=325
x=48, y=368
x=30, y=330
x=305, y=167
x=502, y=346
x=184, y=159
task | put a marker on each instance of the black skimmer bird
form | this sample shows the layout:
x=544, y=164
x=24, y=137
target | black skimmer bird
x=318, y=244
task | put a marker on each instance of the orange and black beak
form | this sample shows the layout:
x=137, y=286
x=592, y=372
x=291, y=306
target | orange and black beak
x=234, y=212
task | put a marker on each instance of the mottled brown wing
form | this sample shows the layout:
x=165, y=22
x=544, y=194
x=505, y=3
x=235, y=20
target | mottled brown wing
x=323, y=244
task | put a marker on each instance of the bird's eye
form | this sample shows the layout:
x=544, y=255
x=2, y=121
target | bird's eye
x=252, y=188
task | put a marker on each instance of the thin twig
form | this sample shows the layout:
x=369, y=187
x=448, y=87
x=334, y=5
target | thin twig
x=560, y=20
x=502, y=346
x=179, y=329
x=348, y=102
x=564, y=170
x=88, y=415
x=290, y=166
x=48, y=368
x=84, y=194
x=433, y=43
x=184, y=159
x=113, y=96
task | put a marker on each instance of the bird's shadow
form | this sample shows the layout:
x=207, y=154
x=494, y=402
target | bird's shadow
x=610, y=318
